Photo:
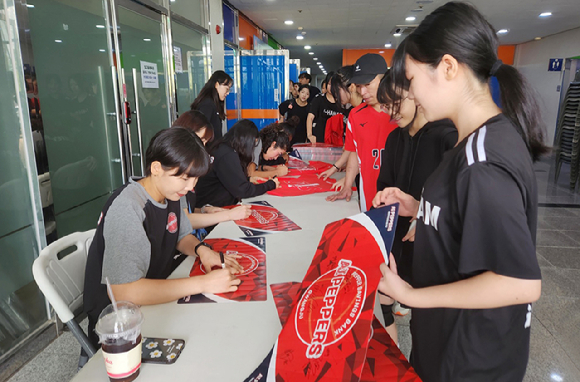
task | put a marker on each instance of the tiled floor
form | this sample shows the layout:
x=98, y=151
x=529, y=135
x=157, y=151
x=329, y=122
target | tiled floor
x=555, y=343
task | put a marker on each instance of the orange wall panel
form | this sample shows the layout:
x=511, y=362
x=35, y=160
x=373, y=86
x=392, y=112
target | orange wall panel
x=505, y=53
x=247, y=32
x=349, y=56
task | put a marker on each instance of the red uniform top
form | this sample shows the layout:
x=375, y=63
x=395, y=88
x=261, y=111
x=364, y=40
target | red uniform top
x=366, y=134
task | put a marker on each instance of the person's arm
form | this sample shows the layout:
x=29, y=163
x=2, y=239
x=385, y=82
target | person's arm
x=386, y=176
x=339, y=164
x=351, y=171
x=484, y=291
x=229, y=171
x=496, y=258
x=266, y=171
x=151, y=291
x=201, y=220
x=309, y=121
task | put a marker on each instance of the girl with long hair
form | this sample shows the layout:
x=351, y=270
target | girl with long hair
x=475, y=271
x=211, y=100
x=227, y=182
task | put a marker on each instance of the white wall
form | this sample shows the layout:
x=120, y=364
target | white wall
x=532, y=60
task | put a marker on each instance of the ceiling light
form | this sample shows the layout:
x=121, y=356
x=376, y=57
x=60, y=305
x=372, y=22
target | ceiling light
x=288, y=22
x=381, y=51
x=388, y=45
x=502, y=31
x=241, y=38
x=299, y=37
x=545, y=14
x=411, y=18
x=102, y=50
x=29, y=6
x=311, y=53
x=300, y=28
x=538, y=38
x=147, y=39
x=58, y=41
x=303, y=33
x=315, y=59
x=397, y=34
x=100, y=26
x=307, y=47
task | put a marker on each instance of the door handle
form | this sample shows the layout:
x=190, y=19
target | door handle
x=127, y=108
x=138, y=120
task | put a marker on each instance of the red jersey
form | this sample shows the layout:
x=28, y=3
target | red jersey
x=366, y=134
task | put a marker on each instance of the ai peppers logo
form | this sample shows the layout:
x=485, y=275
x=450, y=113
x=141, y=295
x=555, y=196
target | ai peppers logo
x=330, y=307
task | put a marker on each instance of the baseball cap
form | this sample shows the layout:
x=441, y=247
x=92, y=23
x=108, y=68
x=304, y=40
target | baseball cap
x=367, y=67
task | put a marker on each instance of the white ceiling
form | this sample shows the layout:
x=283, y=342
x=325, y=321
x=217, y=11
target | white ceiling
x=332, y=25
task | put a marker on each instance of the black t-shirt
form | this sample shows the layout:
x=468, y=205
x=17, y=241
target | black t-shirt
x=314, y=91
x=478, y=213
x=406, y=163
x=302, y=113
x=322, y=109
x=226, y=183
x=208, y=108
x=283, y=107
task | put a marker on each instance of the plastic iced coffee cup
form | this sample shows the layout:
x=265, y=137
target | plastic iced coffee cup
x=120, y=336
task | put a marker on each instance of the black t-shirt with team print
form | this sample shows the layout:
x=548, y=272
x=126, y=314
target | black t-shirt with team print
x=478, y=213
x=322, y=109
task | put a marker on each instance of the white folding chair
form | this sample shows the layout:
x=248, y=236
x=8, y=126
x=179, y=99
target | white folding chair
x=62, y=280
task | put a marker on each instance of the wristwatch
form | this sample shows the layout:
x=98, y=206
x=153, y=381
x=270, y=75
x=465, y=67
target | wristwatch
x=201, y=243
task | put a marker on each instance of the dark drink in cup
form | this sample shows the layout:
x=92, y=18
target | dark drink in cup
x=120, y=336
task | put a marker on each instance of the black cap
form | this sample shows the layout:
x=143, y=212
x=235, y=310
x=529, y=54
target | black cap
x=367, y=68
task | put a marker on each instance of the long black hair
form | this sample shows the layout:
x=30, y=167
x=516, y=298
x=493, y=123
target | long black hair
x=341, y=81
x=178, y=148
x=209, y=91
x=242, y=138
x=458, y=29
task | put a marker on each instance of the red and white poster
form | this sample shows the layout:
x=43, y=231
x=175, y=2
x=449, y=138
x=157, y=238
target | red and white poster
x=304, y=184
x=327, y=335
x=253, y=278
x=384, y=360
x=265, y=219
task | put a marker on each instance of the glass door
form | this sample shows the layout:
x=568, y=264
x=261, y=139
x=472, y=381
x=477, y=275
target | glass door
x=191, y=60
x=22, y=307
x=142, y=39
x=68, y=59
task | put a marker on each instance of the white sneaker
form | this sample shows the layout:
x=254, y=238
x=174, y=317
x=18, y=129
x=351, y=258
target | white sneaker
x=398, y=310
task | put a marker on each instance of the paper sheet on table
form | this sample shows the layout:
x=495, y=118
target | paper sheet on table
x=265, y=219
x=253, y=278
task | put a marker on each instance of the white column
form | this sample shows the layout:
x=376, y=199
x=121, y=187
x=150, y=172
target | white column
x=216, y=40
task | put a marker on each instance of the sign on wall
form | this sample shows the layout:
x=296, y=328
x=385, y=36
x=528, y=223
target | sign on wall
x=149, y=77
x=556, y=64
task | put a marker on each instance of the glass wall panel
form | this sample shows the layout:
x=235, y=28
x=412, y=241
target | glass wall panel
x=192, y=10
x=75, y=92
x=189, y=49
x=22, y=307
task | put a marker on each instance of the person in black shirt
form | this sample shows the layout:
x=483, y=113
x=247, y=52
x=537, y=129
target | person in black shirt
x=298, y=108
x=140, y=228
x=475, y=272
x=227, y=182
x=305, y=79
x=211, y=100
x=321, y=109
x=412, y=152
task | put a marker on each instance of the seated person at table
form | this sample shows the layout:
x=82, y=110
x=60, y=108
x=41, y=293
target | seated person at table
x=271, y=153
x=142, y=225
x=227, y=182
x=207, y=215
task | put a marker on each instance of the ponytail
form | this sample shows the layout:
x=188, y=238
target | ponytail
x=521, y=107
